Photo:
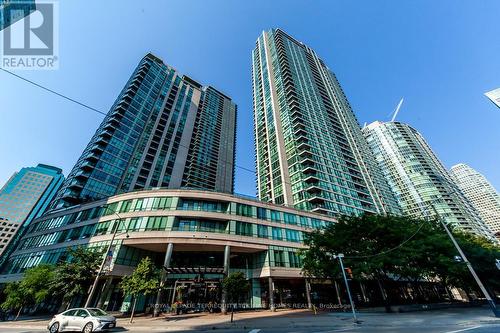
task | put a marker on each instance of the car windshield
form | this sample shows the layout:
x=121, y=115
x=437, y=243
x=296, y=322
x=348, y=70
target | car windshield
x=97, y=312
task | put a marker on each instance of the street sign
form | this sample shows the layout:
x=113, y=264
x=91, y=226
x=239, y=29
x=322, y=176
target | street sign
x=109, y=260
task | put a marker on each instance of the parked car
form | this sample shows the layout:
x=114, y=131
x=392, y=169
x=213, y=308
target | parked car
x=84, y=320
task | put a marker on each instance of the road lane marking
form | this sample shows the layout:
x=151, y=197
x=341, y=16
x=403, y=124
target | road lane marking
x=465, y=329
x=255, y=331
x=338, y=330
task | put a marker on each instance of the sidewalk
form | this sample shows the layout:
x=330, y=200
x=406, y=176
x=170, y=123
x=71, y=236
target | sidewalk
x=169, y=321
x=294, y=320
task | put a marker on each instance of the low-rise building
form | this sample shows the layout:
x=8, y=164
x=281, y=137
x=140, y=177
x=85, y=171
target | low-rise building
x=210, y=235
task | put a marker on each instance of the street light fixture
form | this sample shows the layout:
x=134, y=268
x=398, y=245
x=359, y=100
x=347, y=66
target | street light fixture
x=101, y=268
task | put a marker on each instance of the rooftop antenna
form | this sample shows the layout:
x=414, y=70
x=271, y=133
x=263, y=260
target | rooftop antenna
x=397, y=109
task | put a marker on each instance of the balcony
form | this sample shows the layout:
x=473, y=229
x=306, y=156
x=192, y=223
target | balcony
x=310, y=171
x=308, y=163
x=303, y=144
x=299, y=131
x=109, y=126
x=106, y=133
x=92, y=157
x=316, y=200
x=314, y=190
x=82, y=175
x=319, y=210
x=97, y=148
x=87, y=166
x=311, y=180
x=305, y=153
x=75, y=185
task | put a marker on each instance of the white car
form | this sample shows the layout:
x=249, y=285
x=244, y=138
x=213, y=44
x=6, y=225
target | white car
x=84, y=320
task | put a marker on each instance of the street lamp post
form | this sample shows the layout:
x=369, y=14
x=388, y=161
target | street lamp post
x=490, y=301
x=340, y=256
x=101, y=268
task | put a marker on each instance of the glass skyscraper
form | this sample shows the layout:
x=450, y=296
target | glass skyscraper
x=12, y=11
x=419, y=180
x=494, y=96
x=480, y=193
x=24, y=197
x=164, y=130
x=310, y=151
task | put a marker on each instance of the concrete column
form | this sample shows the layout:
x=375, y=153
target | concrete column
x=308, y=294
x=272, y=307
x=106, y=293
x=166, y=265
x=227, y=253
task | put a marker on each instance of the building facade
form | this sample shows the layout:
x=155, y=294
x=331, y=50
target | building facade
x=494, y=96
x=208, y=234
x=310, y=151
x=24, y=197
x=164, y=130
x=419, y=180
x=482, y=195
x=12, y=11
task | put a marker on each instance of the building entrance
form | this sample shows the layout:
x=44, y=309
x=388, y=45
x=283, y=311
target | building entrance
x=197, y=294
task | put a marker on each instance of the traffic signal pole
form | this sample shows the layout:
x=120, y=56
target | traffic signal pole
x=340, y=256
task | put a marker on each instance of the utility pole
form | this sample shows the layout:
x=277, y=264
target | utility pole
x=491, y=302
x=101, y=268
x=340, y=256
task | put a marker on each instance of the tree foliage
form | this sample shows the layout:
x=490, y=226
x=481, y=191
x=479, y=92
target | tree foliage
x=33, y=289
x=143, y=281
x=236, y=287
x=382, y=247
x=15, y=296
x=74, y=277
x=482, y=254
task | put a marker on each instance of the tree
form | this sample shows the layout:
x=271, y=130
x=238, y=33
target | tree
x=16, y=298
x=143, y=281
x=236, y=287
x=482, y=254
x=37, y=282
x=31, y=290
x=74, y=277
x=387, y=247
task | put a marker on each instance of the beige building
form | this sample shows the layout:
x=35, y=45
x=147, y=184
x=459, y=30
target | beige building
x=480, y=193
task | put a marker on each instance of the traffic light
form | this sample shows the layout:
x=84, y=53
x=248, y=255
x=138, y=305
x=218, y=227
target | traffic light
x=348, y=271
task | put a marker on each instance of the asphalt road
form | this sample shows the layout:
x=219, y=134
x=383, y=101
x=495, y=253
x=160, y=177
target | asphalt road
x=488, y=328
x=442, y=321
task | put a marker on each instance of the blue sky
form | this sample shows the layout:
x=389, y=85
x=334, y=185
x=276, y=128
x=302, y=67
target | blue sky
x=441, y=56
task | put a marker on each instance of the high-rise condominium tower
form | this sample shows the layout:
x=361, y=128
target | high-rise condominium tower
x=24, y=197
x=12, y=11
x=309, y=147
x=421, y=183
x=164, y=130
x=494, y=96
x=480, y=193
